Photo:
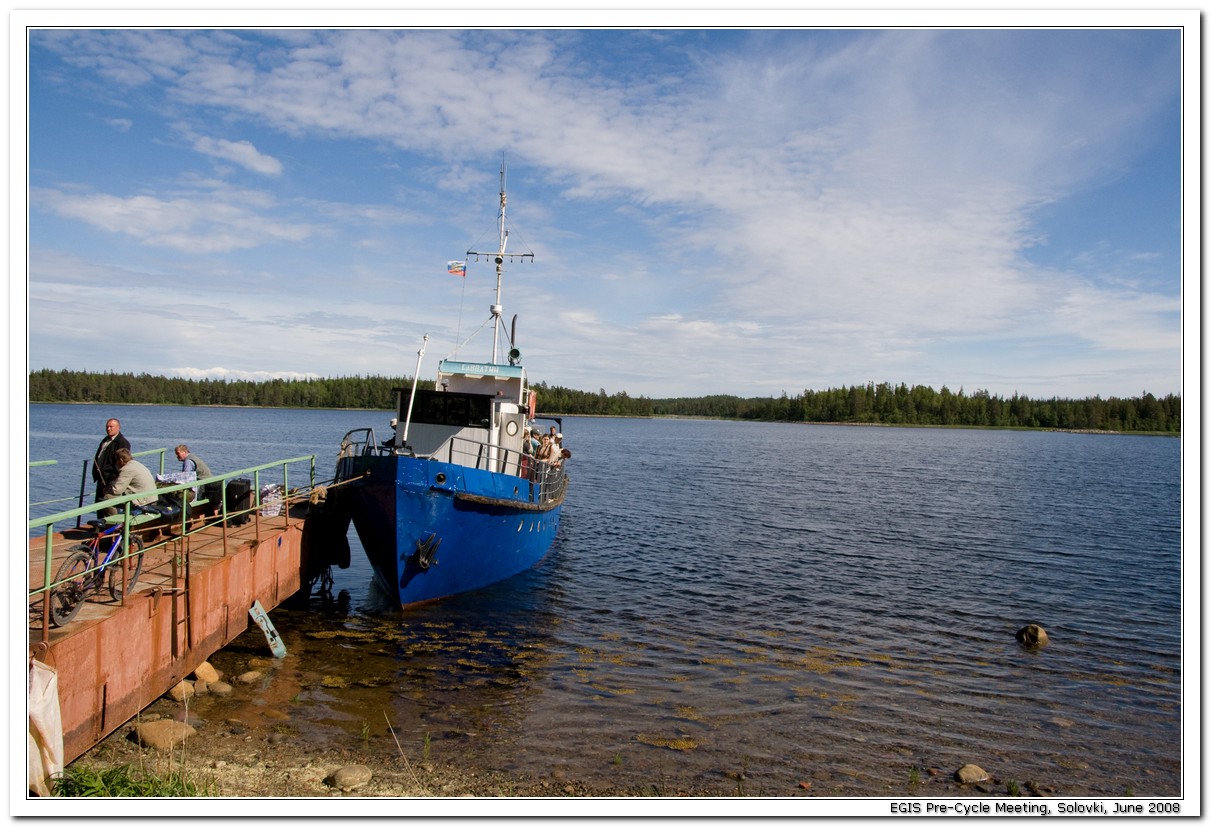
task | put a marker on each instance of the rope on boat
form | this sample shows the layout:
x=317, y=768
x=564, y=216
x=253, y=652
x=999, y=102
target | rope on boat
x=473, y=335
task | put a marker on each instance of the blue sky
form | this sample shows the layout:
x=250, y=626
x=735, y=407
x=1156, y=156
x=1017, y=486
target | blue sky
x=710, y=211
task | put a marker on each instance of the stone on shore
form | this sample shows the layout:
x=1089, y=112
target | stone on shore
x=182, y=691
x=164, y=734
x=350, y=777
x=206, y=672
x=221, y=688
x=970, y=774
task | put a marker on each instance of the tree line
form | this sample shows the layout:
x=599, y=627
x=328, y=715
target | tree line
x=359, y=392
x=875, y=404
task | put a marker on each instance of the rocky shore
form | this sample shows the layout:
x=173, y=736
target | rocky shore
x=228, y=760
x=233, y=759
x=239, y=757
x=217, y=733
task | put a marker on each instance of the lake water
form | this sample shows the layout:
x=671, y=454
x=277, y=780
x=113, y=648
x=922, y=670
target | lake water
x=754, y=609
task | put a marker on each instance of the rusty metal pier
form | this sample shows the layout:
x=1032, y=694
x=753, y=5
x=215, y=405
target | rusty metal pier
x=198, y=583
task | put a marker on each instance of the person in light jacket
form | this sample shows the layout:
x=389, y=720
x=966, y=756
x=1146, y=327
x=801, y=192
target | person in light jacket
x=133, y=478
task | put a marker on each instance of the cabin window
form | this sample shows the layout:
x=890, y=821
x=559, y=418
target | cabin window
x=457, y=410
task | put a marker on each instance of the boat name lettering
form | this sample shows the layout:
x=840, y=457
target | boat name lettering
x=479, y=369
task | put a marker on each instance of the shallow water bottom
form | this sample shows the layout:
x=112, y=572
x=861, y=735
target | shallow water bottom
x=766, y=720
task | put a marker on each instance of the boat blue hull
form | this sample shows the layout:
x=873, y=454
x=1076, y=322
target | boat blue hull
x=433, y=529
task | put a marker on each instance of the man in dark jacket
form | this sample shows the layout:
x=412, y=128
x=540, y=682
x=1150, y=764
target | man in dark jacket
x=105, y=461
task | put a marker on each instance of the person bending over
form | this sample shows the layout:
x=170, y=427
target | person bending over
x=133, y=478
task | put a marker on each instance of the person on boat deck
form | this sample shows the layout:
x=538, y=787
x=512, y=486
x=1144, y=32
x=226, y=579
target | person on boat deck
x=105, y=464
x=546, y=450
x=390, y=441
x=133, y=478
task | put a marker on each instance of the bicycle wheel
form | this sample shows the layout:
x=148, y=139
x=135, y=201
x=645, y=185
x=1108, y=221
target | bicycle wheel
x=132, y=576
x=67, y=597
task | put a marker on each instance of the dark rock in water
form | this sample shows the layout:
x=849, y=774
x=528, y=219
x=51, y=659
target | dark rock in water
x=1032, y=636
x=186, y=716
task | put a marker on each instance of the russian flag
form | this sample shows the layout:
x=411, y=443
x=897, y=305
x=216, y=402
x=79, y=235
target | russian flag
x=457, y=268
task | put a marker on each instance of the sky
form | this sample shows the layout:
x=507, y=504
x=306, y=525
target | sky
x=711, y=210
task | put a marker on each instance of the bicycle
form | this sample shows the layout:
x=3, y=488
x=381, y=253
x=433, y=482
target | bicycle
x=92, y=565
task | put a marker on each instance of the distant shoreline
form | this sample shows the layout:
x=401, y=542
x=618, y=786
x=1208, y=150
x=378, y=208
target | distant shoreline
x=687, y=417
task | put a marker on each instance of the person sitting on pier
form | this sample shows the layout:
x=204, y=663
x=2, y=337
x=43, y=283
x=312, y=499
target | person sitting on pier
x=192, y=462
x=211, y=491
x=133, y=478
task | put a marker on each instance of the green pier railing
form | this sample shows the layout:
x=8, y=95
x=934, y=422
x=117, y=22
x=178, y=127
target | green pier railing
x=131, y=519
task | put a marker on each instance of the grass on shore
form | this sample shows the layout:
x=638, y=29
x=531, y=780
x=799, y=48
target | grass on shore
x=126, y=781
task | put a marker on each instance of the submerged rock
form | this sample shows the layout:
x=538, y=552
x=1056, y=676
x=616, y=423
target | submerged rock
x=1032, y=636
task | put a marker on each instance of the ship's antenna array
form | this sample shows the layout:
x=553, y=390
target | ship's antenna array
x=499, y=256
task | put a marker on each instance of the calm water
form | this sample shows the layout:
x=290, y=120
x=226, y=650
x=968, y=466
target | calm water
x=785, y=603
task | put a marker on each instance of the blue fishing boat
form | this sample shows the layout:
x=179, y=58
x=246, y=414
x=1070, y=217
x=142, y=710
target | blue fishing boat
x=455, y=498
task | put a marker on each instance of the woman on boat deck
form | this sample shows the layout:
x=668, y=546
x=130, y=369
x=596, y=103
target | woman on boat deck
x=547, y=452
x=133, y=478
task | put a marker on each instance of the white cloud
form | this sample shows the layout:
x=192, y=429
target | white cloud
x=229, y=374
x=240, y=152
x=845, y=208
x=197, y=223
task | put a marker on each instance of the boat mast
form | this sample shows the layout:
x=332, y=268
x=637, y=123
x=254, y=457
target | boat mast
x=420, y=354
x=499, y=257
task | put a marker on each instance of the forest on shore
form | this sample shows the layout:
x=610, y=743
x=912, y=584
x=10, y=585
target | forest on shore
x=882, y=404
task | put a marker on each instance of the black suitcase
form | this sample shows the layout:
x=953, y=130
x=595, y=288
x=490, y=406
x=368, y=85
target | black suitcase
x=239, y=501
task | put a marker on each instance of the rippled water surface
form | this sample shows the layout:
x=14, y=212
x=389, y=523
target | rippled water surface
x=752, y=608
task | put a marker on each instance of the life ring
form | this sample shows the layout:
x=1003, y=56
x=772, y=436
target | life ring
x=533, y=403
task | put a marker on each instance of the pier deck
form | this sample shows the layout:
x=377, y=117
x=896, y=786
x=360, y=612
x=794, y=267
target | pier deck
x=191, y=600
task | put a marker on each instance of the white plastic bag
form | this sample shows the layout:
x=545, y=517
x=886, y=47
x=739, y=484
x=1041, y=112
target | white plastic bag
x=45, y=727
x=271, y=500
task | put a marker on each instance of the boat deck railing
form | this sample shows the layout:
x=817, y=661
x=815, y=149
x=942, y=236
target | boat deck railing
x=54, y=532
x=551, y=480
